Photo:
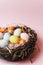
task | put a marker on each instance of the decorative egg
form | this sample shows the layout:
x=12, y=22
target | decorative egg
x=3, y=30
x=1, y=35
x=16, y=45
x=22, y=41
x=17, y=32
x=14, y=39
x=24, y=36
x=10, y=29
x=11, y=46
x=3, y=43
x=7, y=36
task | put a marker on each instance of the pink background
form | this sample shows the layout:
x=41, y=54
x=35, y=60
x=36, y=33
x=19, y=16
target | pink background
x=28, y=12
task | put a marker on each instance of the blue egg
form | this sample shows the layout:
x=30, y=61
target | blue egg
x=6, y=36
x=3, y=43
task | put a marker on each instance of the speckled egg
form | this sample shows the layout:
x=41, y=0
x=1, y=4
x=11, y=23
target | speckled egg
x=24, y=36
x=3, y=30
x=22, y=41
x=14, y=39
x=1, y=35
x=11, y=29
x=3, y=43
x=7, y=36
x=17, y=32
x=11, y=46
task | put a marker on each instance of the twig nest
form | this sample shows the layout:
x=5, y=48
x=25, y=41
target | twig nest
x=14, y=39
x=3, y=30
x=3, y=43
x=10, y=29
x=1, y=35
x=7, y=36
x=17, y=32
x=24, y=36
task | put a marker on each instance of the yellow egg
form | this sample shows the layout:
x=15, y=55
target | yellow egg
x=14, y=39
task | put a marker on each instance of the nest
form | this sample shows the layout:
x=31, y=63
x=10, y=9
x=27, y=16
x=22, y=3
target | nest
x=20, y=52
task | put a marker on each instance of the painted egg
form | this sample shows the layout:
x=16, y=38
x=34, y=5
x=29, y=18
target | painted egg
x=24, y=36
x=17, y=32
x=3, y=43
x=16, y=45
x=11, y=46
x=22, y=41
x=7, y=36
x=3, y=30
x=14, y=39
x=1, y=35
x=10, y=29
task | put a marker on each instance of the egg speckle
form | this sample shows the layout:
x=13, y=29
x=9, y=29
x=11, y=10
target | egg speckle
x=3, y=43
x=7, y=36
x=14, y=39
x=17, y=32
x=1, y=35
x=24, y=36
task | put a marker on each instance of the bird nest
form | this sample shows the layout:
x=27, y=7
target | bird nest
x=21, y=51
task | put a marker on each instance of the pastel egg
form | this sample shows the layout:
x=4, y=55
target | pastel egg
x=17, y=32
x=11, y=46
x=16, y=45
x=14, y=39
x=1, y=35
x=24, y=36
x=3, y=43
x=7, y=36
x=3, y=30
x=22, y=41
x=10, y=29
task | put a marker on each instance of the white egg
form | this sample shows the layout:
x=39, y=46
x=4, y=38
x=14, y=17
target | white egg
x=3, y=43
x=7, y=36
x=24, y=36
x=1, y=35
x=17, y=32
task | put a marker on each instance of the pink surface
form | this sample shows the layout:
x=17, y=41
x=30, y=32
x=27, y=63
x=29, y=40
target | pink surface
x=28, y=12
